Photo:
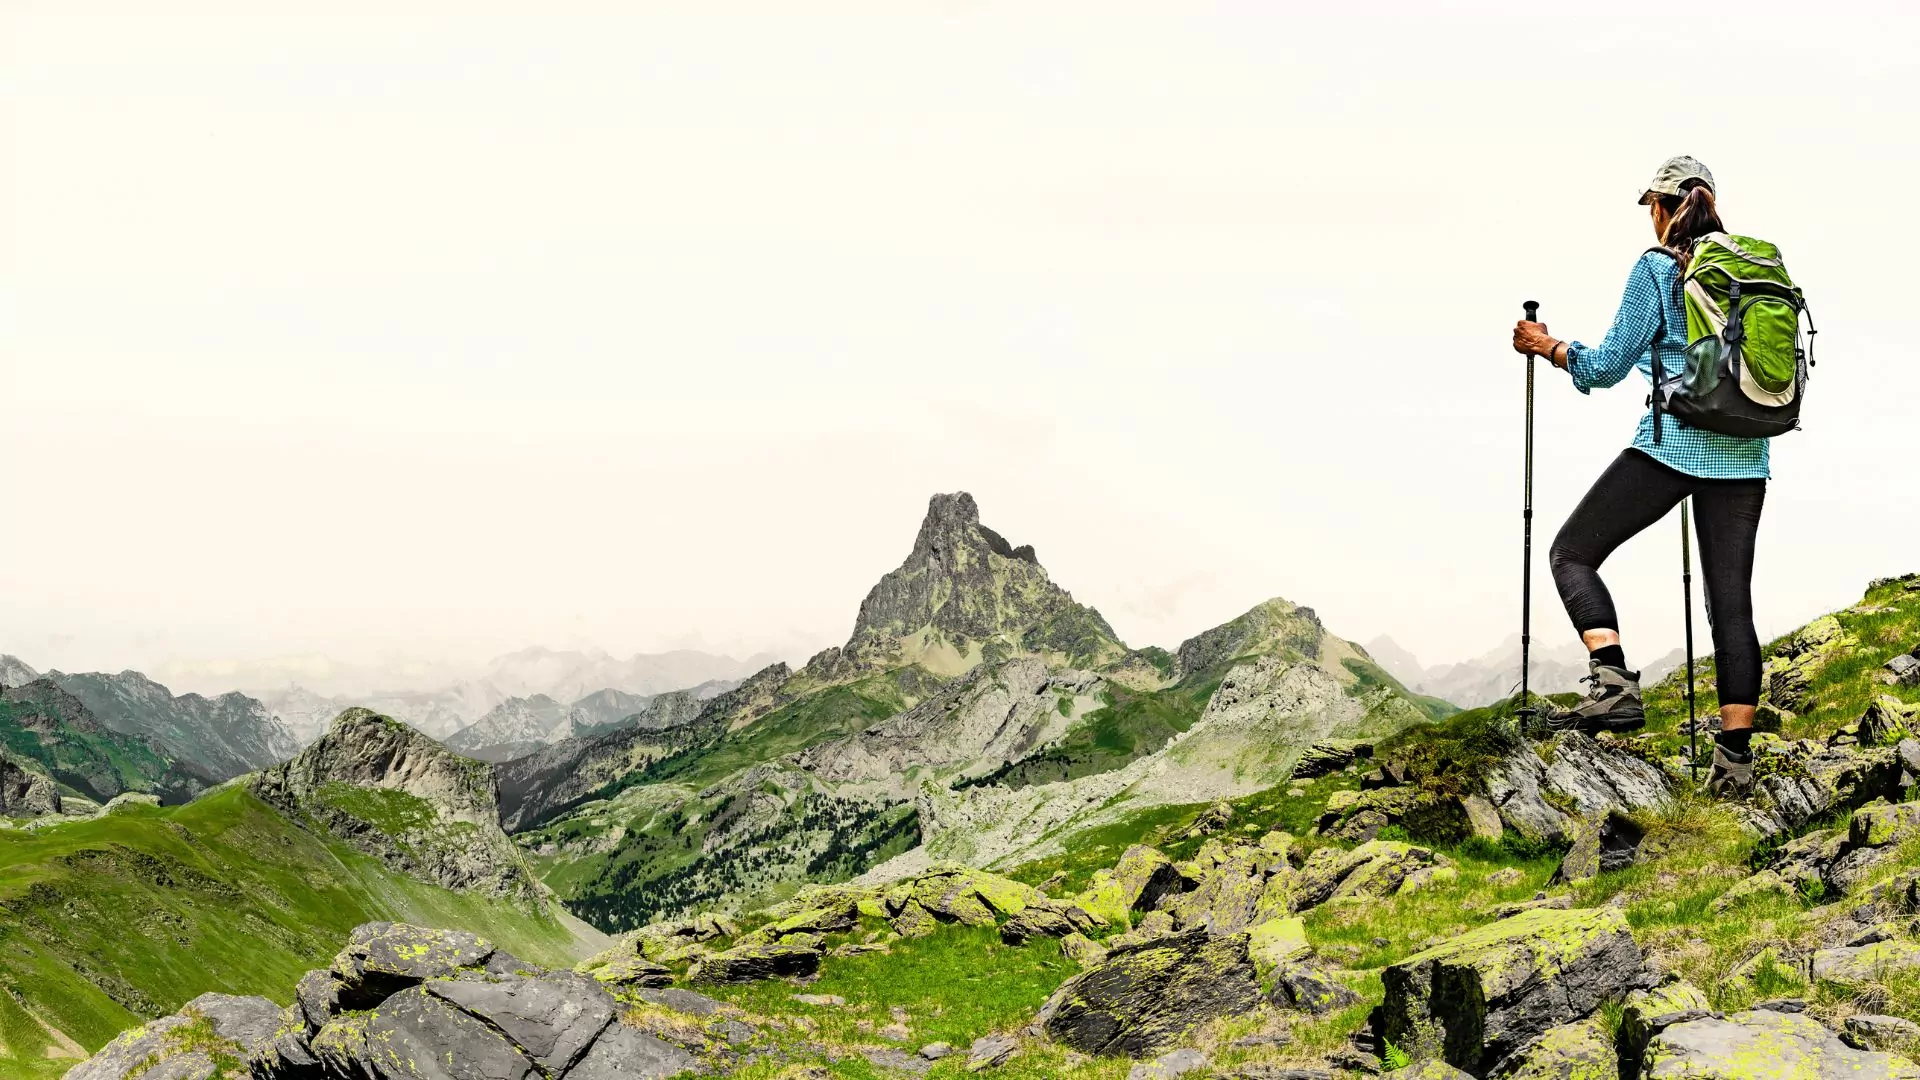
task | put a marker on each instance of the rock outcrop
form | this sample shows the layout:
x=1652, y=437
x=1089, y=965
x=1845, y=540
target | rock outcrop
x=1480, y=999
x=402, y=1003
x=1595, y=777
x=405, y=799
x=1763, y=1043
x=25, y=791
x=1145, y=997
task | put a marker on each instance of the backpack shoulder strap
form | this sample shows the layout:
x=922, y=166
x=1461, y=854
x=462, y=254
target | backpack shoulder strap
x=1653, y=351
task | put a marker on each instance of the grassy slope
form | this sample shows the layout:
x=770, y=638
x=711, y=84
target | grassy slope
x=960, y=984
x=160, y=905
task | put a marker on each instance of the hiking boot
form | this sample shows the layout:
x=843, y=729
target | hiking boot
x=1731, y=778
x=1612, y=705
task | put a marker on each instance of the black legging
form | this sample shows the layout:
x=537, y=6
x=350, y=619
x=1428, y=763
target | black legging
x=1637, y=491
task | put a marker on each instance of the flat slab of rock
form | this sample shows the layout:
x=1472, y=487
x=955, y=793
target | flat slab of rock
x=552, y=1018
x=382, y=959
x=745, y=963
x=1142, y=999
x=1760, y=1045
x=622, y=1053
x=1490, y=992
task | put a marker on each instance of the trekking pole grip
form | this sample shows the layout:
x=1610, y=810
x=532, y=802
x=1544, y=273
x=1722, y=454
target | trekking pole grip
x=1533, y=310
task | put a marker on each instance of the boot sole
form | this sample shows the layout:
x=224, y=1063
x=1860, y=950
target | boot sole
x=1592, y=725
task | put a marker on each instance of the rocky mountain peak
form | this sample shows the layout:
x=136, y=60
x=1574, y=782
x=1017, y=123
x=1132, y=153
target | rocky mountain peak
x=15, y=672
x=1276, y=626
x=405, y=799
x=966, y=595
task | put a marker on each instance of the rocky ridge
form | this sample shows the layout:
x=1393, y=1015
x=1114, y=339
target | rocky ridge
x=405, y=799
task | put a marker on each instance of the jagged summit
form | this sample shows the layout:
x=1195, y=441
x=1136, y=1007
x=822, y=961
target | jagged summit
x=966, y=595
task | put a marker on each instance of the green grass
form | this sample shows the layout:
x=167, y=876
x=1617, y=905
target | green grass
x=107, y=922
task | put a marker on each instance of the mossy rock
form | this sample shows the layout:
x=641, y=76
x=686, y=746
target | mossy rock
x=1577, y=1051
x=1141, y=1000
x=1489, y=993
x=382, y=959
x=1765, y=1045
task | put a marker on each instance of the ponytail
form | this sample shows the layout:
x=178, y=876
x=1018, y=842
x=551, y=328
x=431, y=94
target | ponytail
x=1691, y=215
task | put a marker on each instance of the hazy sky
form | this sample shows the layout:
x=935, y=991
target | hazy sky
x=325, y=329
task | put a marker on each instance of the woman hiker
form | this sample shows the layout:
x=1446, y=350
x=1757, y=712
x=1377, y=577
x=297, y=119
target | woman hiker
x=1725, y=475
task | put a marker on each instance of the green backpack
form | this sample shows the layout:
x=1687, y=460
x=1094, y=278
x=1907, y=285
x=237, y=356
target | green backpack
x=1746, y=372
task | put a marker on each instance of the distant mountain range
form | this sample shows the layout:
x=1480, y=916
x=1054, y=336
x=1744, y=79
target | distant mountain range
x=439, y=700
x=520, y=726
x=1494, y=675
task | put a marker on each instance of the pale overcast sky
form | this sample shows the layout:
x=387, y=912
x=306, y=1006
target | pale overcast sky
x=331, y=328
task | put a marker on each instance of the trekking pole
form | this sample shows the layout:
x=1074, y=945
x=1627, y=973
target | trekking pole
x=1686, y=592
x=1532, y=308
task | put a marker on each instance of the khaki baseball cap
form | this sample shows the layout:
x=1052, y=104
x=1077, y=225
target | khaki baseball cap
x=1672, y=174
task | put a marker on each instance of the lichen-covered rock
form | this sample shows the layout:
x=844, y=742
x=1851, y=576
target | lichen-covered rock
x=1607, y=842
x=1797, y=783
x=746, y=963
x=830, y=914
x=989, y=1051
x=632, y=971
x=1859, y=965
x=416, y=1036
x=382, y=959
x=1764, y=1045
x=1330, y=756
x=1649, y=1011
x=550, y=1018
x=1873, y=1031
x=317, y=997
x=1576, y=1051
x=913, y=921
x=161, y=1046
x=1228, y=893
x=1488, y=993
x=972, y=897
x=1483, y=818
x=341, y=1046
x=213, y=1035
x=1766, y=883
x=1307, y=989
x=1376, y=868
x=1425, y=1070
x=1082, y=950
x=1048, y=919
x=624, y=1053
x=1142, y=999
x=1276, y=941
x=1787, y=681
x=1887, y=721
x=1136, y=883
x=1595, y=777
x=1152, y=926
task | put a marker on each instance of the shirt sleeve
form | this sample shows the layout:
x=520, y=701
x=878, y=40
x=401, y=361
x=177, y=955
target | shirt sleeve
x=1634, y=328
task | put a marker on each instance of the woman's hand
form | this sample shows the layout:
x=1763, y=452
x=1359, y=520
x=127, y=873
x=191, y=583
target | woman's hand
x=1531, y=338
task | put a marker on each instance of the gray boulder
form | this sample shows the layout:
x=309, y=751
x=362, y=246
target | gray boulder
x=1905, y=669
x=1800, y=782
x=1872, y=1031
x=26, y=791
x=1168, y=1066
x=417, y=1036
x=551, y=1018
x=1489, y=993
x=382, y=959
x=1144, y=998
x=1306, y=989
x=188, y=1044
x=623, y=1053
x=747, y=963
x=1764, y=1043
x=1576, y=1051
x=1596, y=777
x=317, y=998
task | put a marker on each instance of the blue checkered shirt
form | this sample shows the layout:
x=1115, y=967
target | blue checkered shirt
x=1651, y=318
